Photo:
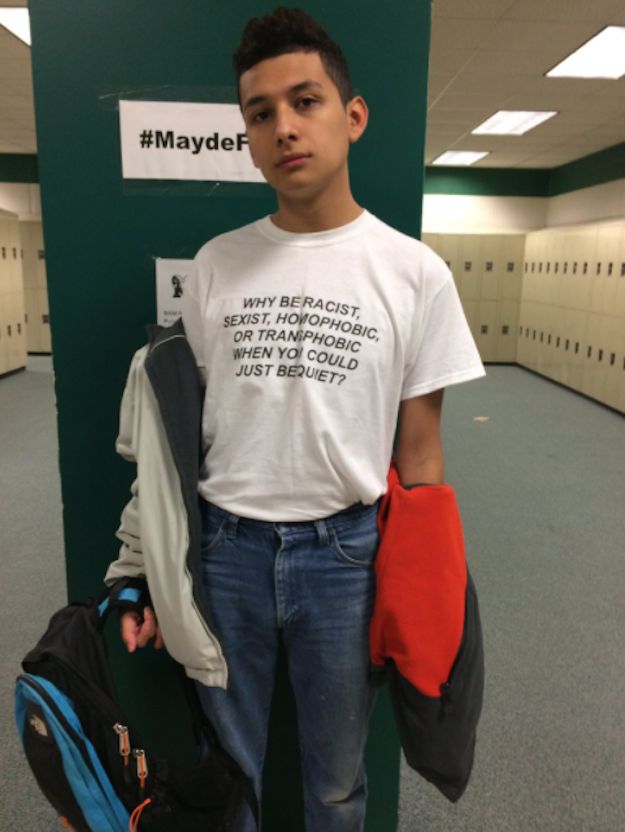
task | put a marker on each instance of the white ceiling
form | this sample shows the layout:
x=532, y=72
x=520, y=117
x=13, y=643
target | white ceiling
x=486, y=55
x=489, y=55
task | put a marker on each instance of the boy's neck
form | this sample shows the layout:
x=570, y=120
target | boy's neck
x=306, y=216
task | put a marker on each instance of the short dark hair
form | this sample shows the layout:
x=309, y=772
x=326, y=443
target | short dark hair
x=288, y=30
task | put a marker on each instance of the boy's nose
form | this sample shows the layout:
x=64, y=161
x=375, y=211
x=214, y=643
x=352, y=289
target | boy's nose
x=285, y=128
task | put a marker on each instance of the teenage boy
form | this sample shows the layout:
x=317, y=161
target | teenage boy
x=313, y=329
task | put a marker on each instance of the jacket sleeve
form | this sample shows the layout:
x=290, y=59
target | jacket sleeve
x=130, y=563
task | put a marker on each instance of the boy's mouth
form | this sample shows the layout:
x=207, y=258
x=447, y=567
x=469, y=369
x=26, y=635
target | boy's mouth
x=292, y=159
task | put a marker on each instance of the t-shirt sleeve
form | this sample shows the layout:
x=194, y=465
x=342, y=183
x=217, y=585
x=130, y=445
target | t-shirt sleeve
x=445, y=352
x=193, y=301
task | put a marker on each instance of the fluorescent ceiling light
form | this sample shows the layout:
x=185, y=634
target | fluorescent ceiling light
x=601, y=57
x=513, y=122
x=459, y=157
x=16, y=21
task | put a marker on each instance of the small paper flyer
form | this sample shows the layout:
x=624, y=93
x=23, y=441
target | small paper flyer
x=171, y=276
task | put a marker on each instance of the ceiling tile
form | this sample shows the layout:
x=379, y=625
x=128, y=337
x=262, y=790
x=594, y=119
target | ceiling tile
x=470, y=9
x=547, y=11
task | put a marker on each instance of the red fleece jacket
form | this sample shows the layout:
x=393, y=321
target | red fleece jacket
x=421, y=583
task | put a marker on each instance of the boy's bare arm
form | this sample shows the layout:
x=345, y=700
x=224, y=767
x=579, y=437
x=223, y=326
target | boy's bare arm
x=419, y=454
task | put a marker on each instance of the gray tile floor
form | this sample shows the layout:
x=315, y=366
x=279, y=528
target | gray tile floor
x=541, y=486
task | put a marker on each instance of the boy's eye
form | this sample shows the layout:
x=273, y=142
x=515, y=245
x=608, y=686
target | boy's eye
x=261, y=116
x=306, y=102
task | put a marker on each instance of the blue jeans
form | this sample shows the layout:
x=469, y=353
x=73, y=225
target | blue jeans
x=310, y=585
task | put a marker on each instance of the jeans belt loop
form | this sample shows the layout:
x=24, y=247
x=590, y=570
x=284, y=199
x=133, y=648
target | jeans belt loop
x=322, y=532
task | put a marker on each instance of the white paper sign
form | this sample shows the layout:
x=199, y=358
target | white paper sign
x=171, y=276
x=184, y=140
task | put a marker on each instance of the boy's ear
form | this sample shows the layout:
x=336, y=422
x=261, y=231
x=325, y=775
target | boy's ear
x=357, y=116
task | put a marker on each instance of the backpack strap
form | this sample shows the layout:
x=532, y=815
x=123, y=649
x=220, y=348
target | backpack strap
x=125, y=595
x=204, y=732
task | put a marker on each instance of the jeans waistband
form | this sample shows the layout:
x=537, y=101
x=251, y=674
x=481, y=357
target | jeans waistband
x=346, y=515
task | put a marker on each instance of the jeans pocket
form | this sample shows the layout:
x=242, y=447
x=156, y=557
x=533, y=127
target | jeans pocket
x=357, y=543
x=213, y=529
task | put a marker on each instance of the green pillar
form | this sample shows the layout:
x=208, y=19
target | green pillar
x=102, y=234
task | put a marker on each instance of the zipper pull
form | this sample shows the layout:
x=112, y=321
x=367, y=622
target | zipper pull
x=124, y=741
x=142, y=765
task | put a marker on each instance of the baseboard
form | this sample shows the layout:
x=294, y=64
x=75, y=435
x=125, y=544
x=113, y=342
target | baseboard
x=12, y=372
x=571, y=389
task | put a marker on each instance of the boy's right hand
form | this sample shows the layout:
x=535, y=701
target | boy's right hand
x=136, y=632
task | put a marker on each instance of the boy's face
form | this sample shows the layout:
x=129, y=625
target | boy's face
x=298, y=129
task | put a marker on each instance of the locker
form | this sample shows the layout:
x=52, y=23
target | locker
x=555, y=281
x=44, y=320
x=512, y=279
x=29, y=267
x=30, y=313
x=529, y=319
x=549, y=353
x=615, y=375
x=10, y=333
x=451, y=248
x=508, y=317
x=574, y=357
x=619, y=280
x=520, y=335
x=486, y=339
x=469, y=272
x=593, y=377
x=542, y=349
x=40, y=255
x=577, y=279
x=470, y=308
x=492, y=266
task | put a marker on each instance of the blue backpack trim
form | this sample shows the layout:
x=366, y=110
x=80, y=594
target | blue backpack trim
x=90, y=784
x=131, y=595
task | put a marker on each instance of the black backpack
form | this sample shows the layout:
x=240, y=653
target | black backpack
x=88, y=760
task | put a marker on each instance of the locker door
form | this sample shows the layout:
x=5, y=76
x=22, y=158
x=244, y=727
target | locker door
x=20, y=329
x=615, y=375
x=521, y=341
x=44, y=321
x=470, y=266
x=431, y=241
x=487, y=330
x=4, y=343
x=30, y=310
x=579, y=324
x=512, y=271
x=592, y=376
x=492, y=271
x=4, y=263
x=612, y=266
x=507, y=328
x=10, y=331
x=597, y=272
x=471, y=311
x=452, y=256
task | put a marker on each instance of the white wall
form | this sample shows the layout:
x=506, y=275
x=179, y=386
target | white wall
x=601, y=202
x=23, y=200
x=443, y=214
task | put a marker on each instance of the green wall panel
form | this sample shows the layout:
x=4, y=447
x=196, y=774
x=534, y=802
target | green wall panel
x=19, y=167
x=595, y=169
x=102, y=234
x=487, y=181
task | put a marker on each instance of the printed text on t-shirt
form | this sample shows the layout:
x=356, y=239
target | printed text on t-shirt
x=294, y=336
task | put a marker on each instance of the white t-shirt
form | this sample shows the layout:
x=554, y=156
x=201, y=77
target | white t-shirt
x=308, y=343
